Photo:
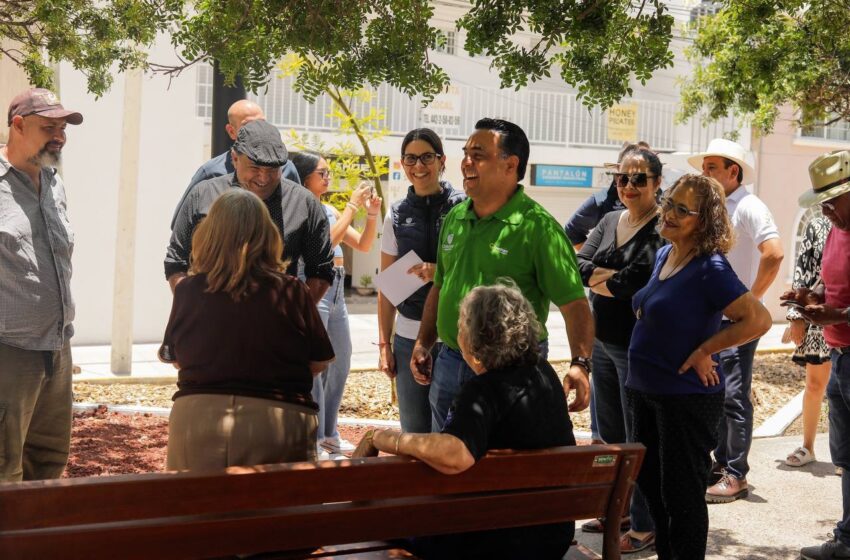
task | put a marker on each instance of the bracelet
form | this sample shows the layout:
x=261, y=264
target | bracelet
x=581, y=362
x=379, y=344
x=351, y=205
x=397, y=441
x=370, y=215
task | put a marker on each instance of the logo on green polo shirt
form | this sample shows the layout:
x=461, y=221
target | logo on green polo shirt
x=447, y=246
x=496, y=249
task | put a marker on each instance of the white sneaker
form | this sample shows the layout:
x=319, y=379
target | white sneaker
x=338, y=445
x=321, y=454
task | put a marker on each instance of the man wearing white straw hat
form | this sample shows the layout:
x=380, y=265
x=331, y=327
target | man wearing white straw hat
x=829, y=305
x=755, y=258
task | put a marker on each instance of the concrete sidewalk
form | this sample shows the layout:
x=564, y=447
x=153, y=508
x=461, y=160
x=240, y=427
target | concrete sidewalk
x=786, y=510
x=94, y=360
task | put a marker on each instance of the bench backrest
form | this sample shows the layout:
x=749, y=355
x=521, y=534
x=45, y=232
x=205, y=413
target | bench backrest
x=302, y=505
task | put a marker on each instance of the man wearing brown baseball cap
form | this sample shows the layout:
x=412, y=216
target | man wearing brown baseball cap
x=36, y=308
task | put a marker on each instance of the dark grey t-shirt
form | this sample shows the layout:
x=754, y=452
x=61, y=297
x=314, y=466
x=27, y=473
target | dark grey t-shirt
x=296, y=212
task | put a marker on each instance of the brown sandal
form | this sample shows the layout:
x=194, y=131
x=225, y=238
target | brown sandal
x=598, y=525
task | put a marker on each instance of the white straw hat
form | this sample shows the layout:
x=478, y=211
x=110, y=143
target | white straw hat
x=726, y=149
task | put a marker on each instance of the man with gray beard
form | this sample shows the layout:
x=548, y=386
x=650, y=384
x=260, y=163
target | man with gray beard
x=36, y=309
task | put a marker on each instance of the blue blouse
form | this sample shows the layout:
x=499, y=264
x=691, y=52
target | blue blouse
x=676, y=315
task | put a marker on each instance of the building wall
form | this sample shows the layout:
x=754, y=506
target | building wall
x=783, y=159
x=13, y=81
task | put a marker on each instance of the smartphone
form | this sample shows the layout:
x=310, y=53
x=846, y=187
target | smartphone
x=793, y=304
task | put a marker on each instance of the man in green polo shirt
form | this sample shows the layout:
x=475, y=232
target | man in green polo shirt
x=499, y=232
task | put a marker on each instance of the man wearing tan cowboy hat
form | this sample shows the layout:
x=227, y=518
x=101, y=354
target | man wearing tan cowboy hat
x=755, y=258
x=829, y=305
x=36, y=309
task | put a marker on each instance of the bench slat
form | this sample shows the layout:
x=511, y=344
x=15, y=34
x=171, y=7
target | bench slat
x=40, y=504
x=304, y=527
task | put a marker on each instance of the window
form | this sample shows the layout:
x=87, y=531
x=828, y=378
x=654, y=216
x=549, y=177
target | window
x=449, y=46
x=203, y=91
x=838, y=131
x=804, y=218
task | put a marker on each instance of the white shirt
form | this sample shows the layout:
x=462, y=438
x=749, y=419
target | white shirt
x=404, y=327
x=753, y=224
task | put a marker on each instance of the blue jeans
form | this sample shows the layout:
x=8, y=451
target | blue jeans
x=838, y=393
x=449, y=374
x=735, y=433
x=329, y=385
x=414, y=409
x=614, y=421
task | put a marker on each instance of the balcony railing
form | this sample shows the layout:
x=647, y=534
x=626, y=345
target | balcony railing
x=548, y=117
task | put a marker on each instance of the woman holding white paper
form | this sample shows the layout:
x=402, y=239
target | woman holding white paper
x=329, y=386
x=413, y=224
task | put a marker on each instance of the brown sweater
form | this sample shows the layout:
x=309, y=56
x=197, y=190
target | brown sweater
x=252, y=348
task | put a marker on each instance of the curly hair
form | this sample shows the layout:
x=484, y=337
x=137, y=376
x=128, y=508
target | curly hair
x=499, y=326
x=714, y=233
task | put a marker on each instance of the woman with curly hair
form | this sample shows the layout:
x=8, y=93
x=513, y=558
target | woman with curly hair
x=674, y=390
x=248, y=341
x=515, y=401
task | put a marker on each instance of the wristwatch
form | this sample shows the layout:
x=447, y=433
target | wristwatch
x=581, y=361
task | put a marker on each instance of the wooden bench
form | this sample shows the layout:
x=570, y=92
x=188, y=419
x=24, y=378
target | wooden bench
x=302, y=506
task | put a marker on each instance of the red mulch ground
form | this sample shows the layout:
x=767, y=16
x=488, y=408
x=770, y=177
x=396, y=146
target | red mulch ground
x=104, y=443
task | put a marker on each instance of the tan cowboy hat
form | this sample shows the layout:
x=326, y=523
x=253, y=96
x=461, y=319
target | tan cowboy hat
x=726, y=149
x=830, y=174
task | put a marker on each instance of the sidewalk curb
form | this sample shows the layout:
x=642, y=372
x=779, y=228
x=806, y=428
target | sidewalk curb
x=777, y=424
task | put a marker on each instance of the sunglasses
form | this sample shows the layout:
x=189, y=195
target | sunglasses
x=680, y=210
x=637, y=179
x=427, y=159
x=323, y=173
x=825, y=205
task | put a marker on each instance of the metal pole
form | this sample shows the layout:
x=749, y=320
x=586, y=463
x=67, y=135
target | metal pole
x=223, y=97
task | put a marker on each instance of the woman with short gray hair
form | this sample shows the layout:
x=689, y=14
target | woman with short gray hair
x=515, y=401
x=501, y=327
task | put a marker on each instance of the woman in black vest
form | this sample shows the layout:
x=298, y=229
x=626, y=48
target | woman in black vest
x=413, y=224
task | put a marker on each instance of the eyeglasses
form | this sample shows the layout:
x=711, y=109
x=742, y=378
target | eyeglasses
x=637, y=179
x=680, y=210
x=427, y=158
x=323, y=173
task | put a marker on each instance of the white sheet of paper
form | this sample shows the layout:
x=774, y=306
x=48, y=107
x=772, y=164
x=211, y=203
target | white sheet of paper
x=394, y=281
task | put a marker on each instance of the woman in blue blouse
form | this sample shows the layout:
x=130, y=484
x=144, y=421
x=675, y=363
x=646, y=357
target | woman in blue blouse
x=674, y=389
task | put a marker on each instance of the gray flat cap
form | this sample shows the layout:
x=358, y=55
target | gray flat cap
x=261, y=142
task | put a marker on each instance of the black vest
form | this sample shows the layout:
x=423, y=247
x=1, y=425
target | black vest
x=416, y=224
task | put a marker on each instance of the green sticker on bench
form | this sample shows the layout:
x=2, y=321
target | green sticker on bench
x=604, y=460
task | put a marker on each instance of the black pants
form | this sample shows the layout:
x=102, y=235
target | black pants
x=679, y=432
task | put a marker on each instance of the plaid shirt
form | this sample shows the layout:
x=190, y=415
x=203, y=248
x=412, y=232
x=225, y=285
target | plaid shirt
x=36, y=242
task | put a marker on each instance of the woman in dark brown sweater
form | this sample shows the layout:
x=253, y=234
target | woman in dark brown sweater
x=247, y=340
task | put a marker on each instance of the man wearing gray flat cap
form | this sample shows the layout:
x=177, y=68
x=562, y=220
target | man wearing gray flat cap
x=258, y=155
x=828, y=305
x=36, y=308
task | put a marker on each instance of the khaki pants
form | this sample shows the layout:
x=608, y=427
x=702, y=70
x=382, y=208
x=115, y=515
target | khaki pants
x=35, y=413
x=216, y=431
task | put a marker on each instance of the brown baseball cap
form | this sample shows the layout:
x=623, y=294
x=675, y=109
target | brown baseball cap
x=39, y=101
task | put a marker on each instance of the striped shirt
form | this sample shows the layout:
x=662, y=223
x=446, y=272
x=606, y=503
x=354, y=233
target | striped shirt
x=36, y=243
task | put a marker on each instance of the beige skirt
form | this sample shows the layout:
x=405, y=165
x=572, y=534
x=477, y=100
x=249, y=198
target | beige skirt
x=216, y=431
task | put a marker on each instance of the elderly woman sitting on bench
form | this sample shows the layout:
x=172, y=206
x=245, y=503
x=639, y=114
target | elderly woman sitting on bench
x=515, y=402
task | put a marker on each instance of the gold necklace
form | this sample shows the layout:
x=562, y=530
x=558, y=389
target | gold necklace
x=679, y=265
x=642, y=218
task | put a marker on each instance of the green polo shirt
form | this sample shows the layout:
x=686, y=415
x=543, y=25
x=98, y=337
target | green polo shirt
x=521, y=241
